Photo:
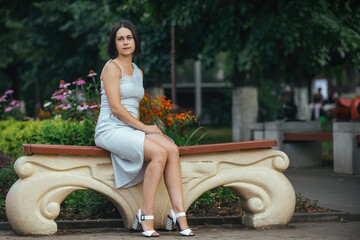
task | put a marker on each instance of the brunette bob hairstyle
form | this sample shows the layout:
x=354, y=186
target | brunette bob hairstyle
x=111, y=50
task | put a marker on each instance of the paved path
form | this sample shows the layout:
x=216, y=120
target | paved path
x=332, y=190
x=328, y=230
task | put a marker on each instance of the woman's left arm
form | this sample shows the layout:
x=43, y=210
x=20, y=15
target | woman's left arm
x=142, y=74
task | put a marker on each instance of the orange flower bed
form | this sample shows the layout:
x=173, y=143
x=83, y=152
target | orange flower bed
x=159, y=111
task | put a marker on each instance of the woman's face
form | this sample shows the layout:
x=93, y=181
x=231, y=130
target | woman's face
x=125, y=43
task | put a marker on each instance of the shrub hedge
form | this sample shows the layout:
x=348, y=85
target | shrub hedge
x=15, y=133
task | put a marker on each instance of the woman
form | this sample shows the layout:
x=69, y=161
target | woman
x=138, y=151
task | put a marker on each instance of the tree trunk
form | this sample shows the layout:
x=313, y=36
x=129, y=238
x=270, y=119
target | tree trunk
x=198, y=93
x=302, y=80
x=245, y=109
x=155, y=91
x=301, y=97
x=245, y=105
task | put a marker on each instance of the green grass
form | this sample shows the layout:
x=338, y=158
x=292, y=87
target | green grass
x=213, y=134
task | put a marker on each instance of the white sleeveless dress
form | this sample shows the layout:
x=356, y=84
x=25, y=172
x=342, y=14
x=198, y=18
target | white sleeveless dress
x=125, y=143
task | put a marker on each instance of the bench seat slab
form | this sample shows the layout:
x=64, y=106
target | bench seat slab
x=33, y=202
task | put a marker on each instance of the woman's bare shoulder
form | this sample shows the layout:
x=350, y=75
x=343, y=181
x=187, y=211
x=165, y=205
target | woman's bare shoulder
x=111, y=70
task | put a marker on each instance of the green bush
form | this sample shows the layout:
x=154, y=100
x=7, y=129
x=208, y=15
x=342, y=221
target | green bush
x=14, y=133
x=192, y=138
x=96, y=204
x=87, y=204
x=66, y=133
x=221, y=196
x=7, y=178
x=2, y=208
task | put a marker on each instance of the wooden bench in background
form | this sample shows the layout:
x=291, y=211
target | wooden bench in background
x=299, y=140
x=305, y=147
x=308, y=136
x=252, y=169
x=346, y=145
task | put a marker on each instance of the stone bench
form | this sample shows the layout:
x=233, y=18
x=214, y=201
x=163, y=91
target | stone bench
x=252, y=169
x=305, y=146
x=301, y=141
x=346, y=147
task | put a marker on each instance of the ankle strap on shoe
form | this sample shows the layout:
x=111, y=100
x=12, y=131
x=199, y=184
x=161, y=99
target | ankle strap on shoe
x=180, y=214
x=146, y=217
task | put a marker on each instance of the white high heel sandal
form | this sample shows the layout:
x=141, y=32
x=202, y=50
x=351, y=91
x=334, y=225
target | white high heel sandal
x=137, y=224
x=171, y=221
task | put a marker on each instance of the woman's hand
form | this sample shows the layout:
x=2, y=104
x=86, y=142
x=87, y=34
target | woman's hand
x=152, y=129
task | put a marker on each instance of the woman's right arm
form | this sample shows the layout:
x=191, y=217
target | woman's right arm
x=110, y=78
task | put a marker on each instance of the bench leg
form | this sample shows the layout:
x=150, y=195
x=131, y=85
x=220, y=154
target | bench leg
x=32, y=210
x=270, y=202
x=266, y=195
x=33, y=202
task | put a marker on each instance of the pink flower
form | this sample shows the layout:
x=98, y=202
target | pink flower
x=8, y=109
x=79, y=82
x=63, y=84
x=59, y=106
x=13, y=102
x=26, y=118
x=68, y=92
x=94, y=106
x=67, y=106
x=58, y=97
x=92, y=73
x=3, y=98
x=82, y=107
x=10, y=91
x=17, y=105
x=58, y=92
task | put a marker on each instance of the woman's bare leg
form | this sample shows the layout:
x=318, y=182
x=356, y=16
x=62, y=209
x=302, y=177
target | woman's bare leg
x=172, y=176
x=156, y=155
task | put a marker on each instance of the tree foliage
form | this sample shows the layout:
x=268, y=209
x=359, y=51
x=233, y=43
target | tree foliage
x=292, y=39
x=44, y=41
